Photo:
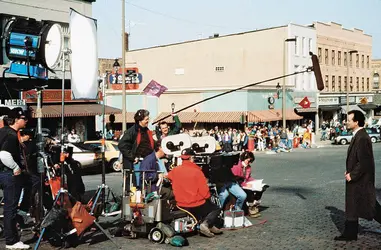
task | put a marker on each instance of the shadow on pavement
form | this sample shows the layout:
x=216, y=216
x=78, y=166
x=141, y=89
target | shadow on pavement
x=337, y=217
x=301, y=192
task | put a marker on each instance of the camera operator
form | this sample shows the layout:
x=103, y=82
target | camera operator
x=10, y=175
x=137, y=143
x=191, y=192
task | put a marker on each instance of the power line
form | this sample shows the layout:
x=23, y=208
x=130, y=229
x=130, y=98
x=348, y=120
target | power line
x=175, y=18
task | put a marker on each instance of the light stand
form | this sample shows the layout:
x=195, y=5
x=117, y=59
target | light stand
x=61, y=193
x=101, y=191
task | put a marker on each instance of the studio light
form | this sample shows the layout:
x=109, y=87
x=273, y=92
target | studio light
x=34, y=47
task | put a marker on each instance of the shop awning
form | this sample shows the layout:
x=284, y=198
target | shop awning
x=368, y=106
x=74, y=110
x=329, y=107
x=220, y=117
x=185, y=117
x=307, y=110
x=351, y=107
x=119, y=118
x=272, y=115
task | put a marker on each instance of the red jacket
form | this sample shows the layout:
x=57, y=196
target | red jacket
x=189, y=185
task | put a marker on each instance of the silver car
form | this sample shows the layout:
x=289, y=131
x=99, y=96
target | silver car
x=347, y=138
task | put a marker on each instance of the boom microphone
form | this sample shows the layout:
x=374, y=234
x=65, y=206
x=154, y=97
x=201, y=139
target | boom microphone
x=317, y=71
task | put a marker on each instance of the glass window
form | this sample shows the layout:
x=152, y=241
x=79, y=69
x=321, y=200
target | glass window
x=326, y=82
x=333, y=57
x=363, y=84
x=345, y=58
x=326, y=56
x=376, y=81
x=351, y=82
x=333, y=84
x=345, y=83
x=367, y=62
x=367, y=84
x=303, y=46
x=358, y=83
x=309, y=45
x=296, y=45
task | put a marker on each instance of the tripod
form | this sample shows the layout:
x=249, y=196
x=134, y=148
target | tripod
x=101, y=191
x=62, y=191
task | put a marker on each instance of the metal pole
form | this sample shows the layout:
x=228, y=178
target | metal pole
x=284, y=88
x=124, y=111
x=103, y=141
x=40, y=147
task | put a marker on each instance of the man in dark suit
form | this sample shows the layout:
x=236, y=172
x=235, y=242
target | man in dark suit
x=360, y=192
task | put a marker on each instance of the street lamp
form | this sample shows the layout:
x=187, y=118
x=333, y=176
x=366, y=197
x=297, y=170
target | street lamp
x=284, y=81
x=350, y=56
x=278, y=87
x=173, y=107
x=116, y=67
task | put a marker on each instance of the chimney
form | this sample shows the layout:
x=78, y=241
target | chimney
x=216, y=35
x=126, y=37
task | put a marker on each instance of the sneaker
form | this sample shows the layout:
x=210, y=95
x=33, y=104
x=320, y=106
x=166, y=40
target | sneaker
x=204, y=230
x=18, y=245
x=215, y=230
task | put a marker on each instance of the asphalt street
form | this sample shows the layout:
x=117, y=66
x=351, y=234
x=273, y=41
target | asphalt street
x=302, y=209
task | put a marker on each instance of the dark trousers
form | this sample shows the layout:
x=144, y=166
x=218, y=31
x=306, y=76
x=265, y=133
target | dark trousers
x=31, y=185
x=377, y=215
x=207, y=212
x=11, y=186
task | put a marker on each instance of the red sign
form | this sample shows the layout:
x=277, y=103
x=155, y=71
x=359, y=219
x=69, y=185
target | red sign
x=305, y=103
x=51, y=95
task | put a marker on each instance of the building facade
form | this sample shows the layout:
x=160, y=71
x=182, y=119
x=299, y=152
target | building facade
x=344, y=57
x=196, y=70
x=375, y=76
x=82, y=114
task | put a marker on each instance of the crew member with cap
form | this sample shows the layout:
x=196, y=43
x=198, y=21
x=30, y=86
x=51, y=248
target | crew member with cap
x=191, y=192
x=10, y=175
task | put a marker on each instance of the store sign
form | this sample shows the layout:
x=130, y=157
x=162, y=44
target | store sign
x=299, y=99
x=328, y=100
x=343, y=100
x=364, y=99
x=13, y=103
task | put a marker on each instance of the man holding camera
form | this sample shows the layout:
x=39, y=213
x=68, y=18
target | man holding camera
x=10, y=175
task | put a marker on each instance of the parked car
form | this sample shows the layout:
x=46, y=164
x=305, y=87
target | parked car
x=347, y=137
x=85, y=156
x=111, y=153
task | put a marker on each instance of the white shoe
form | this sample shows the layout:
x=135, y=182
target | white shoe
x=18, y=245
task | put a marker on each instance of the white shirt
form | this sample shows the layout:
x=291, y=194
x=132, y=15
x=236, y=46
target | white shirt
x=355, y=131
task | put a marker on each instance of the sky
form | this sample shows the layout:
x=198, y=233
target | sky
x=159, y=22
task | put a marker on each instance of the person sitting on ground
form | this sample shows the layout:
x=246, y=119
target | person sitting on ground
x=191, y=193
x=243, y=172
x=162, y=130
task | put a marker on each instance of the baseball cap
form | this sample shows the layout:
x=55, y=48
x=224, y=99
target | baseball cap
x=187, y=153
x=17, y=113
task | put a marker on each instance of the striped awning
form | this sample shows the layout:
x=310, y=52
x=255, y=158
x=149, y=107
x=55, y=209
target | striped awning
x=220, y=117
x=271, y=115
x=74, y=110
x=185, y=117
x=119, y=118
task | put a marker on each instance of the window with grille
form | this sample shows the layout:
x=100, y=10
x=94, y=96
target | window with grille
x=363, y=84
x=358, y=83
x=345, y=58
x=357, y=60
x=339, y=83
x=345, y=83
x=339, y=58
x=220, y=69
x=362, y=61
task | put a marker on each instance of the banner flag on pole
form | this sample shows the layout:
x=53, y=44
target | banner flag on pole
x=154, y=89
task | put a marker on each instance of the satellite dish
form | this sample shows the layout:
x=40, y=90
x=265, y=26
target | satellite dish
x=52, y=50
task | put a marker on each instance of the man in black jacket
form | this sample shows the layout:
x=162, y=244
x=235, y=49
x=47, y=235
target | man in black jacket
x=360, y=192
x=136, y=143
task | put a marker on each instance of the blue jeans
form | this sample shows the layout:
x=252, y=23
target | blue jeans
x=11, y=186
x=236, y=190
x=137, y=174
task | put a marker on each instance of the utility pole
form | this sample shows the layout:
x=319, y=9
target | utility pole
x=124, y=110
x=285, y=64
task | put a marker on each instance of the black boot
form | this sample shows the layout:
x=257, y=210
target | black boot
x=350, y=231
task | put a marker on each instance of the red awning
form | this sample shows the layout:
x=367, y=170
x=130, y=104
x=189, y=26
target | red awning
x=74, y=110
